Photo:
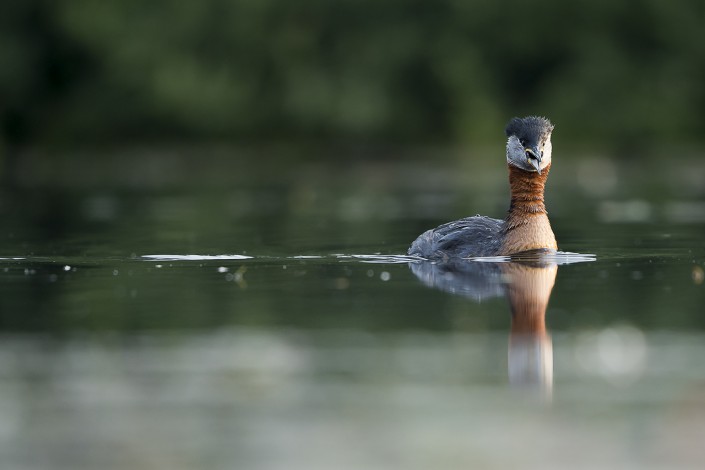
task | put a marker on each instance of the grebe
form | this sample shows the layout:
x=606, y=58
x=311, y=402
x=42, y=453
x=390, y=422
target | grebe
x=526, y=226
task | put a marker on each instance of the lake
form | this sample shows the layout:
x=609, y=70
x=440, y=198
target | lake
x=219, y=308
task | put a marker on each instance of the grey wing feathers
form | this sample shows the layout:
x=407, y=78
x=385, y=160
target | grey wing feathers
x=468, y=237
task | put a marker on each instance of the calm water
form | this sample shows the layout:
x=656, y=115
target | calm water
x=158, y=313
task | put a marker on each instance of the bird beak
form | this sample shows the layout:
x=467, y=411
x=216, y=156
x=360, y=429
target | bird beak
x=533, y=156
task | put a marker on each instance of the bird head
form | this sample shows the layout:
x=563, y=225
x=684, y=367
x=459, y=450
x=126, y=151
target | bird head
x=529, y=143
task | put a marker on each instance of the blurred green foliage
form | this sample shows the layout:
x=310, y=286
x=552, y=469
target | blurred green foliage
x=78, y=71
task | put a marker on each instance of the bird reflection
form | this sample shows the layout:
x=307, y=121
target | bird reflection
x=527, y=285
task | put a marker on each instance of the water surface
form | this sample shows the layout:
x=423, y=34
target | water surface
x=271, y=320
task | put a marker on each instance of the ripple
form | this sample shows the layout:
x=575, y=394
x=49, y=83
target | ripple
x=557, y=258
x=195, y=257
x=379, y=259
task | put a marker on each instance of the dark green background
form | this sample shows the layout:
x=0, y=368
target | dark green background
x=619, y=76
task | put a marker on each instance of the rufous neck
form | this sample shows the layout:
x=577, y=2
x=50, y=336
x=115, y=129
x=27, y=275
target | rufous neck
x=527, y=191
